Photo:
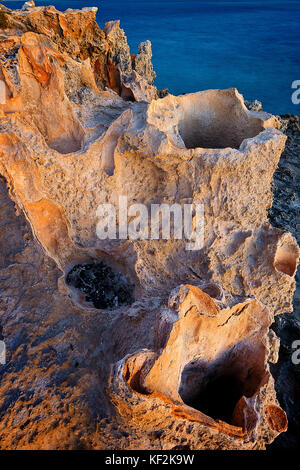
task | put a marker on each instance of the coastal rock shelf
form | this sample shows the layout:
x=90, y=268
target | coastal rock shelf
x=132, y=339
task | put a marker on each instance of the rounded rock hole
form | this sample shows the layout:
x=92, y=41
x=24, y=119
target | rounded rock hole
x=104, y=288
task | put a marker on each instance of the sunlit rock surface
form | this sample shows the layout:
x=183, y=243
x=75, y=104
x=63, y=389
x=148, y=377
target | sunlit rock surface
x=82, y=125
x=210, y=368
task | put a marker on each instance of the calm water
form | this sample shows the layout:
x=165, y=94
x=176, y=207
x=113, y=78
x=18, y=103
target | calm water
x=253, y=46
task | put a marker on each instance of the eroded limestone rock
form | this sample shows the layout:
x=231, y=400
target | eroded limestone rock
x=81, y=127
x=241, y=252
x=211, y=368
x=76, y=35
x=143, y=64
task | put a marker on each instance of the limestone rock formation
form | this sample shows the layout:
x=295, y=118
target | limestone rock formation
x=284, y=214
x=81, y=126
x=143, y=64
x=210, y=368
x=75, y=35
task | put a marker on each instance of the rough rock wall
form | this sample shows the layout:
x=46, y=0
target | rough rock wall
x=80, y=127
x=76, y=35
x=285, y=215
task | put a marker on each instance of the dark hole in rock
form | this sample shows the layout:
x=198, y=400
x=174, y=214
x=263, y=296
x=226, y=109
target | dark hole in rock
x=215, y=388
x=219, y=398
x=102, y=286
x=213, y=290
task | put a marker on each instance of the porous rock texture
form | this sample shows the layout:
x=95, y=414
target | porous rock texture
x=186, y=364
x=285, y=215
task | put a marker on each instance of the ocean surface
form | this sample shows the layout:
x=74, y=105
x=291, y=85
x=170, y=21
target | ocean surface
x=253, y=46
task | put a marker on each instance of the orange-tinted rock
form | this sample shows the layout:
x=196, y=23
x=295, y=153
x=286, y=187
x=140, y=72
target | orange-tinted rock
x=81, y=125
x=276, y=418
x=212, y=371
x=113, y=75
x=79, y=36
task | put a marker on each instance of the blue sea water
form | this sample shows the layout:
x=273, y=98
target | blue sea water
x=197, y=44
